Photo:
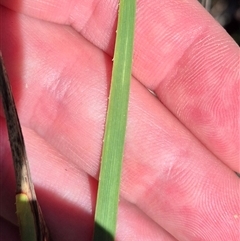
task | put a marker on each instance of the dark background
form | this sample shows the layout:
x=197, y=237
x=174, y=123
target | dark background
x=227, y=13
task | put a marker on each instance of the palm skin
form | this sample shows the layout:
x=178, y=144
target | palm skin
x=182, y=145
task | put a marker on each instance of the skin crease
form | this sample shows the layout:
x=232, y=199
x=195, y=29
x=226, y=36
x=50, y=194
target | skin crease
x=182, y=146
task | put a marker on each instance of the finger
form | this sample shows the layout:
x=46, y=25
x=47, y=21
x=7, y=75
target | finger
x=199, y=159
x=137, y=225
x=186, y=72
x=67, y=197
x=185, y=57
x=196, y=75
x=176, y=181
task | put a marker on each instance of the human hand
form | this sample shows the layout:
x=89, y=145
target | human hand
x=182, y=147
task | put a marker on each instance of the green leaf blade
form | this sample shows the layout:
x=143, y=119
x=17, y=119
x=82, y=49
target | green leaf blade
x=25, y=218
x=114, y=137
